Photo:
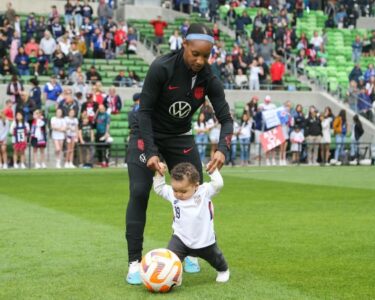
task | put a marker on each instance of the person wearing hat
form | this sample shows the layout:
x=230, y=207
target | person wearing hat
x=35, y=93
x=175, y=87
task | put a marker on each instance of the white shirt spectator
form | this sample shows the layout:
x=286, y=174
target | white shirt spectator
x=194, y=213
x=296, y=139
x=4, y=130
x=64, y=46
x=58, y=123
x=240, y=80
x=71, y=127
x=254, y=73
x=175, y=42
x=48, y=45
x=245, y=130
x=317, y=41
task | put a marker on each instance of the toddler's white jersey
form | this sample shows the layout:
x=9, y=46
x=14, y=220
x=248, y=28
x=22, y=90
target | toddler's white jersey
x=193, y=218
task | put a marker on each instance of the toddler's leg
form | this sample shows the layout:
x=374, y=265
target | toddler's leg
x=213, y=255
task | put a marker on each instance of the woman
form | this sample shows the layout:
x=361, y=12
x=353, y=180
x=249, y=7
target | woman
x=340, y=128
x=4, y=130
x=22, y=62
x=357, y=132
x=244, y=137
x=6, y=67
x=313, y=133
x=201, y=128
x=14, y=89
x=174, y=89
x=58, y=126
x=326, y=120
x=286, y=123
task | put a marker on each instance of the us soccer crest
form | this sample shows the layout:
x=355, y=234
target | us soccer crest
x=199, y=92
x=197, y=199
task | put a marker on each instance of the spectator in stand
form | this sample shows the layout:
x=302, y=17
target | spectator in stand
x=277, y=71
x=159, y=26
x=357, y=49
x=3, y=44
x=57, y=29
x=340, y=18
x=257, y=36
x=75, y=59
x=267, y=105
x=35, y=93
x=41, y=63
x=135, y=79
x=299, y=8
x=370, y=88
x=132, y=42
x=201, y=128
x=71, y=138
x=241, y=22
x=364, y=105
x=78, y=14
x=326, y=120
x=184, y=27
x=38, y=136
x=51, y=91
x=244, y=134
x=313, y=133
x=4, y=131
x=104, y=12
x=340, y=129
x=80, y=86
x=352, y=95
x=175, y=41
x=54, y=14
x=17, y=25
x=122, y=80
x=6, y=67
x=370, y=72
x=357, y=132
x=64, y=43
x=302, y=43
x=232, y=154
x=92, y=76
x=10, y=13
x=68, y=12
x=68, y=103
x=88, y=30
x=48, y=44
x=112, y=102
x=102, y=122
x=255, y=71
x=78, y=76
x=90, y=108
x=228, y=76
x=86, y=136
x=41, y=27
x=31, y=45
x=361, y=83
x=99, y=94
x=216, y=32
x=8, y=110
x=59, y=60
x=14, y=89
x=356, y=73
x=330, y=22
x=241, y=80
x=22, y=62
x=109, y=46
x=58, y=126
x=316, y=41
x=97, y=44
x=87, y=10
x=20, y=131
x=265, y=50
x=120, y=38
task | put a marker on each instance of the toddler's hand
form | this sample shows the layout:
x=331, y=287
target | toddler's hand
x=163, y=168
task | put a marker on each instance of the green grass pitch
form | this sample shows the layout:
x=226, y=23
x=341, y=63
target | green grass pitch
x=287, y=233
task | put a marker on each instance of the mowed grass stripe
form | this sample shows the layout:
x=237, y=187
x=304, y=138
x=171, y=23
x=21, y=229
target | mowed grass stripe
x=318, y=240
x=48, y=254
x=354, y=177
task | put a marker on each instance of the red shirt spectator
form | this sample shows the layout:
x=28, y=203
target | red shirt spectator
x=159, y=26
x=8, y=111
x=120, y=37
x=277, y=71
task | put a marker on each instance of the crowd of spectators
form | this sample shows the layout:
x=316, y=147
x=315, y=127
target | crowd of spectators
x=78, y=120
x=63, y=40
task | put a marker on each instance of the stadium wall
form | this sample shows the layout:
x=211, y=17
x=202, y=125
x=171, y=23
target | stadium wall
x=319, y=99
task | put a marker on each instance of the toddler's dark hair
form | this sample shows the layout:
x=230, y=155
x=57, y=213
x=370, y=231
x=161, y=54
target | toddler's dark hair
x=199, y=28
x=185, y=170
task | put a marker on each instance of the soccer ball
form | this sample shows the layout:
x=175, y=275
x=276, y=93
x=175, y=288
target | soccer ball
x=160, y=270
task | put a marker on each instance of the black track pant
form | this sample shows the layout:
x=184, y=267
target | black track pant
x=174, y=150
x=212, y=254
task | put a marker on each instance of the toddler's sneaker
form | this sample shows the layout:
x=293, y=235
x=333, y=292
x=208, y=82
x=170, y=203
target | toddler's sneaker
x=191, y=265
x=134, y=277
x=223, y=276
